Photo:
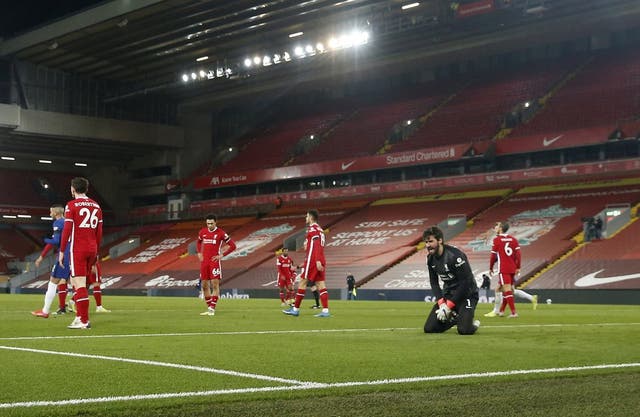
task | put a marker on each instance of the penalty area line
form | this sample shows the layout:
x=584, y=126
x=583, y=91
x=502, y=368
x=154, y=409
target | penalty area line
x=315, y=386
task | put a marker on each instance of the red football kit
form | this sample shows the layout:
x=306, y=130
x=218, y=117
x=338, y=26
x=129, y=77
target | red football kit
x=315, y=252
x=285, y=270
x=209, y=243
x=95, y=276
x=506, y=253
x=83, y=231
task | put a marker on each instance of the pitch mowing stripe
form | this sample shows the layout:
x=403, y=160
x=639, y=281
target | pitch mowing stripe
x=164, y=364
x=316, y=386
x=383, y=329
x=209, y=333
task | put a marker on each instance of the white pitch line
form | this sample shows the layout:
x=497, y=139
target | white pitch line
x=276, y=332
x=164, y=364
x=315, y=386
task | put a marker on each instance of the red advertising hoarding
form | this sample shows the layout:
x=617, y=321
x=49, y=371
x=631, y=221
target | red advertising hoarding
x=555, y=140
x=570, y=172
x=474, y=8
x=347, y=165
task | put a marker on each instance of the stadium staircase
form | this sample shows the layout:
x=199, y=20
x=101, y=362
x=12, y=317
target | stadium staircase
x=596, y=93
x=407, y=143
x=580, y=244
x=535, y=274
x=440, y=207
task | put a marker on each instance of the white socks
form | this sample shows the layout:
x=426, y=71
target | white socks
x=498, y=302
x=522, y=294
x=52, y=290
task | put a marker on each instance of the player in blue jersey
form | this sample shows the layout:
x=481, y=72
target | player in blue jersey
x=59, y=273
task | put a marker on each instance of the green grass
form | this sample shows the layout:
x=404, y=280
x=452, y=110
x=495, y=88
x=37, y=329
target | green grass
x=370, y=358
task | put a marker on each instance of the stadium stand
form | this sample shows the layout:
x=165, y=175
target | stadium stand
x=543, y=219
x=253, y=263
x=411, y=273
x=477, y=111
x=369, y=240
x=599, y=94
x=366, y=130
x=36, y=191
x=275, y=146
x=26, y=189
x=601, y=264
x=171, y=240
x=14, y=245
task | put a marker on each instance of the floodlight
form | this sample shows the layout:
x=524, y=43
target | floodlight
x=345, y=41
x=202, y=74
x=185, y=77
x=320, y=47
x=257, y=60
x=309, y=49
x=410, y=6
x=362, y=37
x=298, y=51
x=193, y=76
x=247, y=63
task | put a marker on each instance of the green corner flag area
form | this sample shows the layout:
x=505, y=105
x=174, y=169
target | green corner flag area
x=156, y=356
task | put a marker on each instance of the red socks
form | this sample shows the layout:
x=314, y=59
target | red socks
x=299, y=297
x=82, y=303
x=507, y=298
x=62, y=294
x=97, y=294
x=324, y=298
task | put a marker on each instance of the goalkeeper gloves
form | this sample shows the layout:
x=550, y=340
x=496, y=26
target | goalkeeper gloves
x=445, y=310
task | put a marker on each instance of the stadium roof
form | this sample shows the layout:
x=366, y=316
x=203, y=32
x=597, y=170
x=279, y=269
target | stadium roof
x=148, y=44
x=145, y=46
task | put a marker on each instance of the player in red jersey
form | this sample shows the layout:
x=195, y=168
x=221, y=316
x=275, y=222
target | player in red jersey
x=315, y=266
x=95, y=279
x=83, y=232
x=286, y=275
x=210, y=242
x=506, y=253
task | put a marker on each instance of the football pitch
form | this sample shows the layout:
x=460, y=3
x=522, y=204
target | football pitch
x=156, y=356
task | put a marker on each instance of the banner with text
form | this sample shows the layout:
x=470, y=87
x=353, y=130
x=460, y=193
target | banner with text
x=368, y=163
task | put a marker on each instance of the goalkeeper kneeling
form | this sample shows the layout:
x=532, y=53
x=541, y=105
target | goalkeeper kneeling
x=458, y=295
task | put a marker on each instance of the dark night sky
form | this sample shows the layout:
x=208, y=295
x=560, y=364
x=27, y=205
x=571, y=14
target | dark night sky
x=19, y=16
